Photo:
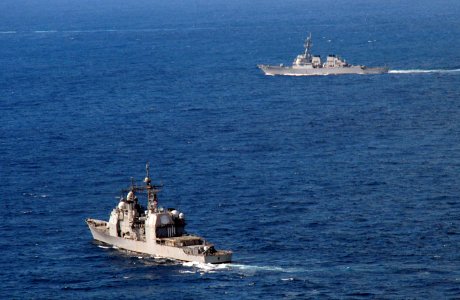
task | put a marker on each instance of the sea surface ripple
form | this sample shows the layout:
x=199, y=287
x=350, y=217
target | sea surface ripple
x=324, y=187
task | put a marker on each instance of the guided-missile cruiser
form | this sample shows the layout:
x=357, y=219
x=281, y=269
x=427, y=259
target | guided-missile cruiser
x=154, y=230
x=307, y=64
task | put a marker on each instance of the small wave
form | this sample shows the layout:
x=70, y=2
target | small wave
x=287, y=279
x=7, y=32
x=136, y=30
x=112, y=30
x=162, y=259
x=186, y=272
x=419, y=71
x=33, y=195
x=45, y=31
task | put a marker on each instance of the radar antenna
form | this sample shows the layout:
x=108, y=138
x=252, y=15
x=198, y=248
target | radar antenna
x=308, y=43
x=151, y=189
x=132, y=184
x=147, y=167
x=152, y=199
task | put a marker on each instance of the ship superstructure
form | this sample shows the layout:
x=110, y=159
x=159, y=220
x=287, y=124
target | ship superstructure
x=153, y=230
x=308, y=64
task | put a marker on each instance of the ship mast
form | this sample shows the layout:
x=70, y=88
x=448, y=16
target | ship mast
x=152, y=200
x=308, y=43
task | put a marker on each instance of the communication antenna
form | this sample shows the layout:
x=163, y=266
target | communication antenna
x=151, y=191
x=147, y=173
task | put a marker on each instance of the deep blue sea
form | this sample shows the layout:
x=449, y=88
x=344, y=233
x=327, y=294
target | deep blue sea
x=331, y=187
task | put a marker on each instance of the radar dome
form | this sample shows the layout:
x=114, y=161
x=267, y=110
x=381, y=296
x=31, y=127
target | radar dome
x=164, y=219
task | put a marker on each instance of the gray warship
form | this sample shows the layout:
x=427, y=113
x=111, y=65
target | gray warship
x=154, y=231
x=307, y=64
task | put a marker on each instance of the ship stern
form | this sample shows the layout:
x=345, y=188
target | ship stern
x=219, y=257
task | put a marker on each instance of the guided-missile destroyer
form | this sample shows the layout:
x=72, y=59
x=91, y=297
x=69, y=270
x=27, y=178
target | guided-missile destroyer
x=154, y=230
x=307, y=64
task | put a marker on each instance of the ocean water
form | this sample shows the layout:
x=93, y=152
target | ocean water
x=324, y=187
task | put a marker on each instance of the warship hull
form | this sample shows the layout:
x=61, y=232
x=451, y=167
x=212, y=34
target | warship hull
x=301, y=71
x=101, y=233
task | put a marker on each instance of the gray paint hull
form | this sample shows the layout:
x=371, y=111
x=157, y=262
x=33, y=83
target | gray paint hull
x=299, y=71
x=152, y=248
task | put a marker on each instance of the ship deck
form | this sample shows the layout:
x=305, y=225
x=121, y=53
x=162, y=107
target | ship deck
x=98, y=225
x=181, y=241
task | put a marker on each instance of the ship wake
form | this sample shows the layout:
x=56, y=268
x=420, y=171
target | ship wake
x=210, y=268
x=421, y=71
x=256, y=268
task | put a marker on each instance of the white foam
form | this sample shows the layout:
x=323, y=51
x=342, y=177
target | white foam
x=189, y=264
x=287, y=279
x=205, y=268
x=418, y=71
x=202, y=266
x=103, y=247
x=262, y=268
